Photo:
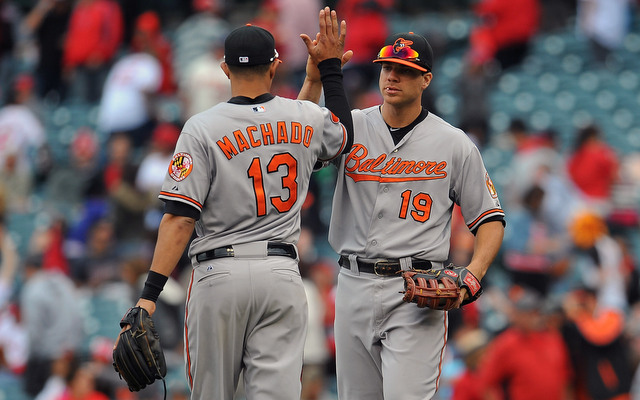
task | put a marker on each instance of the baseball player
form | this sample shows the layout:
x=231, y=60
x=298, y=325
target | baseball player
x=392, y=211
x=239, y=176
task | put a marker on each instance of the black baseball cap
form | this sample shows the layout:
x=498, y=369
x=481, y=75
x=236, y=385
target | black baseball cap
x=408, y=49
x=249, y=45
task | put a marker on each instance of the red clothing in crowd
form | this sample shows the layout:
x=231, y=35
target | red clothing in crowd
x=95, y=33
x=594, y=169
x=533, y=365
x=466, y=387
x=368, y=26
x=504, y=23
x=148, y=37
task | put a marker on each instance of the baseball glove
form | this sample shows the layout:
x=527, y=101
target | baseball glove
x=439, y=289
x=138, y=357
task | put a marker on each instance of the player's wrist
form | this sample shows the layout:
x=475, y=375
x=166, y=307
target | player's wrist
x=153, y=286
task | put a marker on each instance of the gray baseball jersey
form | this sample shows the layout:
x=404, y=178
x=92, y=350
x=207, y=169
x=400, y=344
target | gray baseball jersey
x=408, y=189
x=395, y=202
x=246, y=168
x=254, y=166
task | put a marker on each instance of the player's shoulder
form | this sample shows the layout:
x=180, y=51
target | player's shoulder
x=446, y=128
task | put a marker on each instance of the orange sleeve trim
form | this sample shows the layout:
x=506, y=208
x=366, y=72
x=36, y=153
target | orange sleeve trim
x=601, y=329
x=498, y=211
x=179, y=196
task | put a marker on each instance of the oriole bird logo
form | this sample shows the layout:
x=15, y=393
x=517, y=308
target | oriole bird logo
x=401, y=43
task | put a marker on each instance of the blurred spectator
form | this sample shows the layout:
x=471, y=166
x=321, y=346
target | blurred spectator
x=600, y=353
x=195, y=34
x=126, y=204
x=534, y=254
x=153, y=169
x=504, y=31
x=361, y=16
x=205, y=83
x=56, y=384
x=316, y=352
x=13, y=338
x=604, y=24
x=49, y=303
x=21, y=135
x=127, y=102
x=91, y=44
x=593, y=167
x=98, y=262
x=294, y=17
x=81, y=383
x=599, y=260
x=470, y=345
x=8, y=17
x=148, y=37
x=68, y=182
x=529, y=359
x=48, y=21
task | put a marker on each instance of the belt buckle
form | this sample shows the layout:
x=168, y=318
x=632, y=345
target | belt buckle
x=383, y=264
x=230, y=252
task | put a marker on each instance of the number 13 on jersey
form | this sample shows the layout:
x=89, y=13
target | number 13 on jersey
x=285, y=165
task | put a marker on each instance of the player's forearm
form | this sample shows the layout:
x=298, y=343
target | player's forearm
x=487, y=244
x=335, y=98
x=311, y=90
x=174, y=234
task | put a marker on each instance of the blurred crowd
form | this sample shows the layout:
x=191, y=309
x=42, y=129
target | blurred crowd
x=560, y=317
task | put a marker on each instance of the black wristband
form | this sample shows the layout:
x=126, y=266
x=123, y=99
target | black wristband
x=153, y=286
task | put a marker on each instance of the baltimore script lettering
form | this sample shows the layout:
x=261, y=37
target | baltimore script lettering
x=359, y=167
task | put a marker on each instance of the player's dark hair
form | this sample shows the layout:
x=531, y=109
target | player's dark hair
x=248, y=70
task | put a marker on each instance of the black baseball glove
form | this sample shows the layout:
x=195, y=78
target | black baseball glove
x=138, y=357
x=439, y=289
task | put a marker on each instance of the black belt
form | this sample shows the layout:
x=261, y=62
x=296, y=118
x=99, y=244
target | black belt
x=273, y=249
x=383, y=267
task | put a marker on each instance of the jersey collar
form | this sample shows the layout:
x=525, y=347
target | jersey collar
x=263, y=98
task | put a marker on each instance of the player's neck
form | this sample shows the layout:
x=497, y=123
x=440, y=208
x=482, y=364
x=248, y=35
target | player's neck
x=400, y=116
x=250, y=88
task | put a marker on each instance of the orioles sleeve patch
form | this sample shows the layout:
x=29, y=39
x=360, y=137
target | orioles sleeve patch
x=181, y=166
x=492, y=189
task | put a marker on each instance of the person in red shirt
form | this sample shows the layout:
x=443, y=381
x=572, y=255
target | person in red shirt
x=148, y=37
x=93, y=39
x=593, y=165
x=471, y=346
x=505, y=30
x=528, y=359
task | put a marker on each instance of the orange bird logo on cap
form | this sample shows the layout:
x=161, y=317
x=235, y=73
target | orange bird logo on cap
x=401, y=43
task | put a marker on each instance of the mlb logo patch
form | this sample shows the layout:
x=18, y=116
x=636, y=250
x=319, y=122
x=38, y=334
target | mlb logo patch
x=243, y=60
x=259, y=109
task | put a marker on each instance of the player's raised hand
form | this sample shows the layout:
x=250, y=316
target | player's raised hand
x=329, y=41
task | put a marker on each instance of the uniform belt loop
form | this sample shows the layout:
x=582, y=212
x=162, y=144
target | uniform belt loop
x=405, y=263
x=353, y=262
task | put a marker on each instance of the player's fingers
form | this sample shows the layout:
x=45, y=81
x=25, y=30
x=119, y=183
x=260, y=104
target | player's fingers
x=346, y=57
x=322, y=23
x=327, y=22
x=343, y=32
x=335, y=25
x=307, y=40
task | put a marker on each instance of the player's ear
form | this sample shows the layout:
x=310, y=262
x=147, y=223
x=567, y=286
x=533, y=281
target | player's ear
x=273, y=68
x=426, y=79
x=225, y=68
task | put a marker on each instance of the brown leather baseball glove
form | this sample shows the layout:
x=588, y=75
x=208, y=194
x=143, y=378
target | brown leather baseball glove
x=439, y=289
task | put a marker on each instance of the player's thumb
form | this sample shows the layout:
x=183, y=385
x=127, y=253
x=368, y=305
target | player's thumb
x=346, y=57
